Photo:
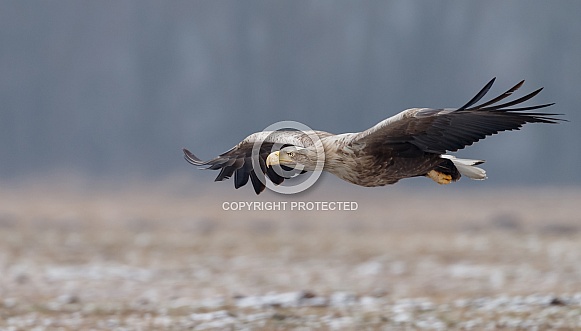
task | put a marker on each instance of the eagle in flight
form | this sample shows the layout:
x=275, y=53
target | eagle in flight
x=409, y=144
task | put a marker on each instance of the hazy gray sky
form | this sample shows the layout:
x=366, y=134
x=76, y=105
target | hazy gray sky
x=114, y=88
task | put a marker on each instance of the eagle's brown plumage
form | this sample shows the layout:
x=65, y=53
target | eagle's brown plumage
x=409, y=144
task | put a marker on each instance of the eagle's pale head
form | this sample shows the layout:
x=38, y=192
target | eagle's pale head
x=300, y=158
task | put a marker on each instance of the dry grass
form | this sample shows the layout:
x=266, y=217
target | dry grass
x=140, y=259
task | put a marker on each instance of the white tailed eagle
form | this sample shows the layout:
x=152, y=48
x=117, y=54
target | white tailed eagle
x=410, y=144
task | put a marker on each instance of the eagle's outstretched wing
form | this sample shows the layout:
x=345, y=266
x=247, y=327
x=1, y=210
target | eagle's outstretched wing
x=441, y=130
x=238, y=160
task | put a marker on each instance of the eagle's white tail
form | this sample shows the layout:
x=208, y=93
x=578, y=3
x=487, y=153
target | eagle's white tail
x=467, y=167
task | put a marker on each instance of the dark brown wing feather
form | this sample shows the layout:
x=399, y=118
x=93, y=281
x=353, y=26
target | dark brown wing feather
x=441, y=130
x=237, y=161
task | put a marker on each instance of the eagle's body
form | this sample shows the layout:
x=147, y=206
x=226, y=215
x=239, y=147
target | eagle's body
x=410, y=144
x=361, y=164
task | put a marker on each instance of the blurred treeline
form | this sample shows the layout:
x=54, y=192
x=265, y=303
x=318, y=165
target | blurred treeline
x=113, y=88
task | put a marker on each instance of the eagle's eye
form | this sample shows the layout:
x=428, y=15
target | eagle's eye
x=291, y=154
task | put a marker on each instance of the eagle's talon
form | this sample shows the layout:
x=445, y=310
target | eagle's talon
x=439, y=177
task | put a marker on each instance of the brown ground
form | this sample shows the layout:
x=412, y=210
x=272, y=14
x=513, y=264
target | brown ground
x=156, y=257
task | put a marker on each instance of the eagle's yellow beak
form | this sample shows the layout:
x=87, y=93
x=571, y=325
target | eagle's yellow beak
x=273, y=159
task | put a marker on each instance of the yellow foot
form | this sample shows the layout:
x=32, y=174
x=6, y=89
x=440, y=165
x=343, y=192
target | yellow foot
x=439, y=177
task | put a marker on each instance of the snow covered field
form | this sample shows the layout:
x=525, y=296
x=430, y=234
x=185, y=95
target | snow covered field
x=150, y=257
